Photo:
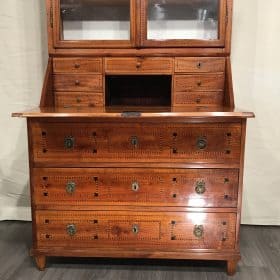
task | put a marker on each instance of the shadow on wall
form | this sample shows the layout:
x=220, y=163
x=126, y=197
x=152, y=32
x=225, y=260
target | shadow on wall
x=29, y=57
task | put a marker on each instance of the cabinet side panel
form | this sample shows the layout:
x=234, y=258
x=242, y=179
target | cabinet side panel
x=47, y=96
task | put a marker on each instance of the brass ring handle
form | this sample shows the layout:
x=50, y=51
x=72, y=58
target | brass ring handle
x=70, y=187
x=138, y=64
x=71, y=229
x=135, y=186
x=135, y=229
x=201, y=143
x=69, y=142
x=198, y=231
x=200, y=187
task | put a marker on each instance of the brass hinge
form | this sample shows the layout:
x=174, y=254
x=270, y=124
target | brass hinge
x=51, y=17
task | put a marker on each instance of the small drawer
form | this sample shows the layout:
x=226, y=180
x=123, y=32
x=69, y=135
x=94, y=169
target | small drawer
x=75, y=82
x=77, y=65
x=80, y=187
x=198, y=98
x=199, y=64
x=139, y=65
x=135, y=230
x=78, y=99
x=197, y=82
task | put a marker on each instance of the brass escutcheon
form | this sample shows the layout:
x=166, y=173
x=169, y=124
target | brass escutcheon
x=135, y=186
x=135, y=229
x=71, y=229
x=70, y=187
x=134, y=141
x=69, y=142
x=198, y=231
x=200, y=187
x=201, y=143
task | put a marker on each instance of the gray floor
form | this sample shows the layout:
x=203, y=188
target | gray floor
x=260, y=247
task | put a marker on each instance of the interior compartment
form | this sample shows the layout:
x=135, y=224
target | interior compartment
x=138, y=90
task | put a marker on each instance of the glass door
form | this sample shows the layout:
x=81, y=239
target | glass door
x=196, y=23
x=94, y=23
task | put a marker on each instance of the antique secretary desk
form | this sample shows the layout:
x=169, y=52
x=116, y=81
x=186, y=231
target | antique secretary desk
x=136, y=149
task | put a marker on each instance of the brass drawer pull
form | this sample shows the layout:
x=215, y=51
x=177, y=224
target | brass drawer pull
x=199, y=65
x=77, y=83
x=201, y=143
x=198, y=231
x=69, y=142
x=71, y=229
x=200, y=187
x=135, y=186
x=70, y=187
x=134, y=141
x=135, y=229
x=199, y=83
x=77, y=65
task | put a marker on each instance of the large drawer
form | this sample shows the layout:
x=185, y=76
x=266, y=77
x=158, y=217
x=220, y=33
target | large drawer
x=78, y=82
x=139, y=65
x=134, y=230
x=59, y=142
x=113, y=186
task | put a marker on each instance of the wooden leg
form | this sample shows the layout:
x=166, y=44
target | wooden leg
x=40, y=262
x=231, y=267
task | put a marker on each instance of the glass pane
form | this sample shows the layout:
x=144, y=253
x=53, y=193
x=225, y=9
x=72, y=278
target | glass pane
x=95, y=19
x=183, y=19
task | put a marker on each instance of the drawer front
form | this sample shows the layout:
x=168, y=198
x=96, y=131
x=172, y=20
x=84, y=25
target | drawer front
x=139, y=65
x=169, y=230
x=112, y=186
x=125, y=142
x=198, y=98
x=75, y=82
x=77, y=65
x=78, y=99
x=197, y=82
x=199, y=64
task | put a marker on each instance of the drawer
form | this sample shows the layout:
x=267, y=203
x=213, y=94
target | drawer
x=135, y=230
x=198, y=98
x=113, y=186
x=76, y=82
x=197, y=82
x=77, y=65
x=62, y=142
x=139, y=65
x=78, y=99
x=199, y=64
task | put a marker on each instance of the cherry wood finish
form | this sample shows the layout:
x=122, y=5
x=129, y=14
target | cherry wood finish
x=78, y=99
x=78, y=65
x=137, y=181
x=199, y=64
x=145, y=142
x=139, y=65
x=115, y=186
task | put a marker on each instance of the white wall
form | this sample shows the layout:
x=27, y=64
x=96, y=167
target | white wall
x=255, y=59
